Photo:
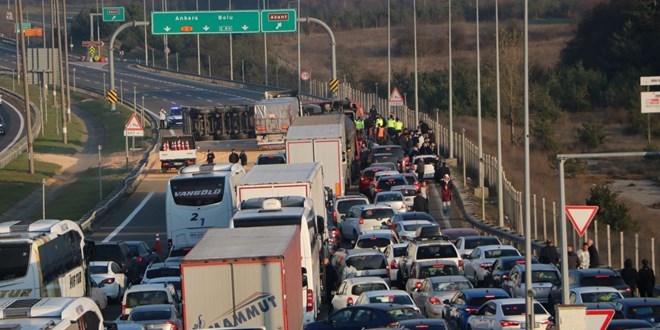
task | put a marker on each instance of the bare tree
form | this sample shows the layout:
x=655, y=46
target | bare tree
x=511, y=79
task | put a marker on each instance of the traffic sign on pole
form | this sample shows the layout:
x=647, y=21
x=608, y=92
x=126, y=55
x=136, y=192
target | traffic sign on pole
x=113, y=14
x=305, y=75
x=281, y=20
x=395, y=98
x=581, y=216
x=205, y=22
x=133, y=127
x=26, y=25
x=95, y=43
x=599, y=319
x=112, y=96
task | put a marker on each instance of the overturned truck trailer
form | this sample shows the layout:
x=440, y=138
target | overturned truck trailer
x=225, y=122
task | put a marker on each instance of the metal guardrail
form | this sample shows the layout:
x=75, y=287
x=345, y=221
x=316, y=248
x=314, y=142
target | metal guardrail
x=21, y=145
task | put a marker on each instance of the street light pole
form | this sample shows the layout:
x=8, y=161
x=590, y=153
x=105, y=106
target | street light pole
x=299, y=65
x=265, y=53
x=500, y=197
x=66, y=64
x=529, y=304
x=199, y=56
x=389, y=56
x=74, y=80
x=146, y=42
x=61, y=69
x=231, y=49
x=43, y=198
x=416, y=74
x=26, y=91
x=451, y=94
x=480, y=152
x=100, y=175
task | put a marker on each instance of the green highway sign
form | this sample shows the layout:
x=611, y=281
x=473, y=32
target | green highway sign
x=279, y=20
x=205, y=22
x=26, y=25
x=113, y=14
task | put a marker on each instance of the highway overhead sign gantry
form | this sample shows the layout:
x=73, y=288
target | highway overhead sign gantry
x=113, y=14
x=205, y=22
x=581, y=216
x=278, y=20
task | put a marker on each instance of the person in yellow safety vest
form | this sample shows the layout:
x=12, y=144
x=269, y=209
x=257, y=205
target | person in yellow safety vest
x=359, y=123
x=390, y=125
x=379, y=121
x=398, y=125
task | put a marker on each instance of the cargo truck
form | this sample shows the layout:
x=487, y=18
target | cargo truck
x=244, y=277
x=327, y=139
x=272, y=118
x=177, y=152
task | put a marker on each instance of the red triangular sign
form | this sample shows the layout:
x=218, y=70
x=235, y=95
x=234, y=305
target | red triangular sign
x=395, y=97
x=581, y=216
x=599, y=319
x=133, y=124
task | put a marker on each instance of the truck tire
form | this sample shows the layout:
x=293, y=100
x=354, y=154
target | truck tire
x=224, y=137
x=242, y=136
x=206, y=138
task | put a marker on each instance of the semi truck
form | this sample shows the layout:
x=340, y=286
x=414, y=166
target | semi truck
x=244, y=277
x=272, y=118
x=328, y=139
x=177, y=152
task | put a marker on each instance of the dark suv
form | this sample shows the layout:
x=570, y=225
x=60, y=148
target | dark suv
x=143, y=254
x=592, y=277
x=120, y=253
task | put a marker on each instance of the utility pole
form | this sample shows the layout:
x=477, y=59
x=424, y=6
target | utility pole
x=66, y=62
x=26, y=91
x=61, y=67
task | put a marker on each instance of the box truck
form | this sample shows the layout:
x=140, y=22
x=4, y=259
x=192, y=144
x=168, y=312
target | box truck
x=176, y=152
x=328, y=139
x=242, y=277
x=272, y=118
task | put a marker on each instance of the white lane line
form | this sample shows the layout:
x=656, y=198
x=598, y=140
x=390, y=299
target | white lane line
x=129, y=218
x=20, y=128
x=207, y=100
x=188, y=95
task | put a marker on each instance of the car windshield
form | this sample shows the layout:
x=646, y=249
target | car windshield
x=645, y=311
x=387, y=182
x=135, y=249
x=477, y=302
x=389, y=198
x=414, y=226
x=436, y=251
x=545, y=276
x=370, y=173
x=589, y=297
x=491, y=254
x=410, y=180
x=98, y=269
x=271, y=159
x=428, y=160
x=400, y=251
x=602, y=280
x=368, y=262
x=451, y=286
x=344, y=205
x=519, y=309
x=407, y=192
x=403, y=313
x=140, y=298
x=175, y=112
x=471, y=243
x=150, y=315
x=358, y=289
x=377, y=213
x=508, y=264
x=382, y=158
x=397, y=152
x=110, y=252
x=163, y=272
x=438, y=270
x=392, y=298
x=370, y=242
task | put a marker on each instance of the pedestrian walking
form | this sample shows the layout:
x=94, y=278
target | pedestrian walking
x=424, y=190
x=162, y=115
x=419, y=169
x=420, y=204
x=210, y=157
x=233, y=157
x=593, y=255
x=243, y=158
x=583, y=256
x=549, y=253
x=330, y=278
x=440, y=173
x=646, y=281
x=446, y=186
x=573, y=260
x=630, y=275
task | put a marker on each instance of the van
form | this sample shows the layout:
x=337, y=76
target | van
x=50, y=314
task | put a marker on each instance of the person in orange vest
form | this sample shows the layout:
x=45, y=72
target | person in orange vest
x=380, y=134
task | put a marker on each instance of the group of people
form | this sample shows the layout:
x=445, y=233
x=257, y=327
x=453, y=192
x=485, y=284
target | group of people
x=587, y=257
x=234, y=158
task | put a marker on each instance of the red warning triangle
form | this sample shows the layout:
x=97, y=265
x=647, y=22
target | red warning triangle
x=581, y=216
x=133, y=124
x=599, y=319
x=395, y=97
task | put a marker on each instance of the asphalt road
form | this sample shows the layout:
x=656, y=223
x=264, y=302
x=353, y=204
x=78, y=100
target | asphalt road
x=12, y=113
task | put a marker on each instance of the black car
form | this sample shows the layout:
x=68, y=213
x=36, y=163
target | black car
x=365, y=317
x=591, y=277
x=412, y=216
x=629, y=324
x=501, y=268
x=268, y=159
x=143, y=254
x=2, y=126
x=120, y=253
x=426, y=324
x=396, y=150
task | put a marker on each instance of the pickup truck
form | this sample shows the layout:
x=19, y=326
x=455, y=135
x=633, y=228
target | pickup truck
x=177, y=152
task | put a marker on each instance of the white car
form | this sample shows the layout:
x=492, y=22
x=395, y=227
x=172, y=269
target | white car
x=394, y=253
x=362, y=217
x=407, y=229
x=593, y=294
x=97, y=295
x=478, y=263
x=148, y=294
x=375, y=238
x=544, y=277
x=507, y=313
x=465, y=244
x=408, y=191
x=174, y=280
x=429, y=165
x=393, y=199
x=399, y=297
x=430, y=295
x=377, y=177
x=109, y=277
x=162, y=269
x=351, y=288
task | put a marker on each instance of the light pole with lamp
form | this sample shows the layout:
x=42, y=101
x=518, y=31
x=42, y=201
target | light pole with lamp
x=243, y=69
x=500, y=197
x=451, y=94
x=74, y=80
x=43, y=198
x=100, y=175
x=416, y=74
x=481, y=190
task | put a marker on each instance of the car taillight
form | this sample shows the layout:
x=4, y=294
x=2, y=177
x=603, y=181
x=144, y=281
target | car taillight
x=460, y=264
x=139, y=259
x=404, y=238
x=434, y=301
x=361, y=221
x=627, y=289
x=418, y=285
x=392, y=325
x=173, y=326
x=507, y=323
x=108, y=280
x=421, y=326
x=505, y=277
x=546, y=322
x=364, y=178
x=485, y=264
x=403, y=206
x=377, y=190
x=349, y=301
x=393, y=265
x=310, y=300
x=334, y=215
x=123, y=310
x=471, y=310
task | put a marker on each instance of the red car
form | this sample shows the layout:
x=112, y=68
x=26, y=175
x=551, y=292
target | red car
x=367, y=178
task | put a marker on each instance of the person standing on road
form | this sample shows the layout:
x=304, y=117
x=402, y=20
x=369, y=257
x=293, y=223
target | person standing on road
x=549, y=254
x=424, y=190
x=419, y=169
x=243, y=158
x=446, y=186
x=593, y=255
x=233, y=157
x=583, y=256
x=646, y=281
x=330, y=279
x=630, y=275
x=420, y=204
x=573, y=260
x=210, y=157
x=162, y=115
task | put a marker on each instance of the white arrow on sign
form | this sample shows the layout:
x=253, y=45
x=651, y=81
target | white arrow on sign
x=244, y=27
x=206, y=28
x=599, y=319
x=114, y=17
x=278, y=26
x=581, y=216
x=167, y=29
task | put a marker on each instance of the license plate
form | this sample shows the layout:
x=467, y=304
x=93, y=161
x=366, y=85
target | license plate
x=177, y=163
x=537, y=325
x=376, y=227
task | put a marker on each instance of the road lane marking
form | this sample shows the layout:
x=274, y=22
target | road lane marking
x=129, y=218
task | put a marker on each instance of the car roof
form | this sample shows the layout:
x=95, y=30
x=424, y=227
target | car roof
x=425, y=156
x=350, y=197
x=377, y=232
x=100, y=263
x=509, y=301
x=496, y=247
x=373, y=206
x=433, y=242
x=588, y=289
x=600, y=305
x=595, y=271
x=376, y=167
x=164, y=279
x=482, y=292
x=434, y=262
x=153, y=308
x=385, y=292
x=412, y=322
x=417, y=222
x=639, y=301
x=382, y=306
x=364, y=279
x=477, y=237
x=415, y=216
x=537, y=267
x=402, y=186
x=363, y=252
x=389, y=193
x=384, y=154
x=147, y=287
x=445, y=279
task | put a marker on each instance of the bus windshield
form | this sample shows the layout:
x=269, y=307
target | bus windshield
x=197, y=191
x=15, y=260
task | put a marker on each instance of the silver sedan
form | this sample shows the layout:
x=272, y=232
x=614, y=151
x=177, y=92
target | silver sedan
x=430, y=295
x=164, y=317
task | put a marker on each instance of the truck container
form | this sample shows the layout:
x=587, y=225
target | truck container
x=241, y=277
x=177, y=152
x=304, y=179
x=327, y=139
x=272, y=118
